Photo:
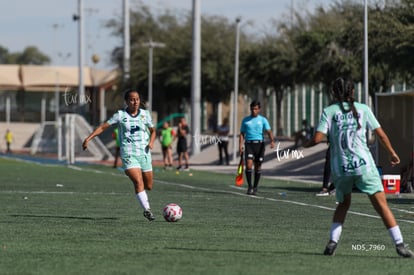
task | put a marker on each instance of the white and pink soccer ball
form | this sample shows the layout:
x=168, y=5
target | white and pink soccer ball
x=172, y=212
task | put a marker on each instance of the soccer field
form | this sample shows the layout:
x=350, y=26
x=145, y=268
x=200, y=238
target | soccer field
x=85, y=220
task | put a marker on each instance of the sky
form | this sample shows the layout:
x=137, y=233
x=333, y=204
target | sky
x=48, y=24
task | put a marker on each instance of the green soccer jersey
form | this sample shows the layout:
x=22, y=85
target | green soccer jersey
x=133, y=132
x=350, y=154
x=166, y=136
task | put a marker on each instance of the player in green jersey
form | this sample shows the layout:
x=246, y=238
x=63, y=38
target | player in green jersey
x=345, y=123
x=167, y=136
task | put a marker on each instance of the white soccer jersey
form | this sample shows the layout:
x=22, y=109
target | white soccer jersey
x=133, y=131
x=350, y=154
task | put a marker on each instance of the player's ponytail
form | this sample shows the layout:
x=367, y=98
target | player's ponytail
x=343, y=92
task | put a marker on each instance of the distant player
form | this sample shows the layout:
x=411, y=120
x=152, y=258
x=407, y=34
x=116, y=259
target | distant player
x=345, y=123
x=167, y=136
x=136, y=133
x=9, y=139
x=182, y=148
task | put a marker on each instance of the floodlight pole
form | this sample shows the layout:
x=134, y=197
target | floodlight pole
x=366, y=51
x=56, y=27
x=236, y=88
x=151, y=45
x=82, y=100
x=196, y=77
x=127, y=47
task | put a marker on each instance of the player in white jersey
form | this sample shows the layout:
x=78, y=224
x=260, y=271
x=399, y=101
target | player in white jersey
x=137, y=135
x=345, y=122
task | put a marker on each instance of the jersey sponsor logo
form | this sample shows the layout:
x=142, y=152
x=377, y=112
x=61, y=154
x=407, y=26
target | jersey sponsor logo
x=134, y=129
x=353, y=165
x=347, y=116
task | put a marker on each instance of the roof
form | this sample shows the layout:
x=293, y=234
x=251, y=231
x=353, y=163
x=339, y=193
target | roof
x=405, y=93
x=34, y=78
x=9, y=77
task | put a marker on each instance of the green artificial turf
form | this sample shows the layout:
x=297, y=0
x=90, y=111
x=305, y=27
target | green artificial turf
x=86, y=220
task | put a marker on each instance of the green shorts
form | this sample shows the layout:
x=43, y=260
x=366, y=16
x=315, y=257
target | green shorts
x=368, y=184
x=143, y=162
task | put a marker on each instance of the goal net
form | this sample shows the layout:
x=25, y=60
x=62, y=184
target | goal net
x=64, y=139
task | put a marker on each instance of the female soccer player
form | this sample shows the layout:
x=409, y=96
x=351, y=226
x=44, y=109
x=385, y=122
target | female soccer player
x=137, y=135
x=345, y=123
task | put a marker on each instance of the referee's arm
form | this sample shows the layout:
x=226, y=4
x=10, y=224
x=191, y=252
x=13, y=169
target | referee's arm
x=272, y=140
x=241, y=143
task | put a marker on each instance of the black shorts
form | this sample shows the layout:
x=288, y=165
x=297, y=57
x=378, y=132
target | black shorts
x=254, y=151
x=181, y=145
x=165, y=148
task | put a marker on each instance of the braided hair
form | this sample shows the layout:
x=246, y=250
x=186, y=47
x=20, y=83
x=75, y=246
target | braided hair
x=343, y=92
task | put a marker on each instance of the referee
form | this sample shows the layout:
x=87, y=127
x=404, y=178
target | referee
x=252, y=137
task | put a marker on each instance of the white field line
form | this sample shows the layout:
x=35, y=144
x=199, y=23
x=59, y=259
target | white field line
x=402, y=210
x=328, y=208
x=204, y=189
x=61, y=193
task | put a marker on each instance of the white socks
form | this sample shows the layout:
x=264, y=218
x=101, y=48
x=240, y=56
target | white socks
x=143, y=200
x=395, y=234
x=336, y=230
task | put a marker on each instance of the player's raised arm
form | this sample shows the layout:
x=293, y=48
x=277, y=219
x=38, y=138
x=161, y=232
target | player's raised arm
x=99, y=130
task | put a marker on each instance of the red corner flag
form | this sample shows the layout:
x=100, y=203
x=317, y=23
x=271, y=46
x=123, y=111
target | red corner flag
x=240, y=169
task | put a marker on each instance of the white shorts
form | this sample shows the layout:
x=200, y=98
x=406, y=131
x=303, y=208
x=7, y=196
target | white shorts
x=143, y=162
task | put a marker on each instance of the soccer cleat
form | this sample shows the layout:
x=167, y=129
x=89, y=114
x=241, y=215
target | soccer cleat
x=249, y=191
x=330, y=248
x=322, y=193
x=148, y=214
x=403, y=251
x=254, y=191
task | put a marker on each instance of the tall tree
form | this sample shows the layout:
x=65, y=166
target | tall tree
x=30, y=55
x=271, y=64
x=400, y=40
x=172, y=64
x=4, y=54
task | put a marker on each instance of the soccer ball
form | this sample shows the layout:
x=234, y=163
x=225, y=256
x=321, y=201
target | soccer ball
x=172, y=212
